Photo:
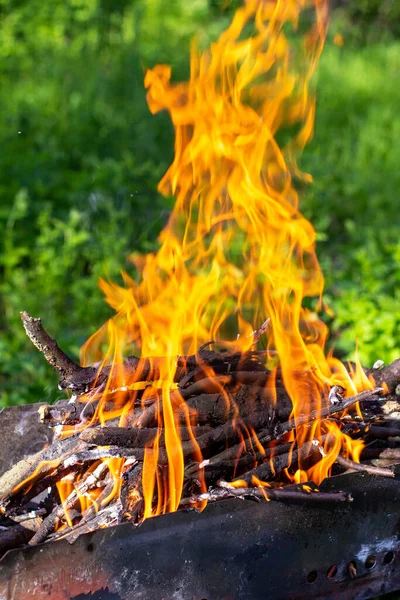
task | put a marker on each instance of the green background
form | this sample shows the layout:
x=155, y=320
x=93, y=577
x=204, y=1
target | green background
x=81, y=157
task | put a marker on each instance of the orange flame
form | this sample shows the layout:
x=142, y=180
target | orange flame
x=236, y=250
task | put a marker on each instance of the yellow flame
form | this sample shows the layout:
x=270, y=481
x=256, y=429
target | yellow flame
x=236, y=250
x=64, y=488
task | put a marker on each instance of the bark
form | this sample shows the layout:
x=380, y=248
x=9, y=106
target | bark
x=134, y=438
x=39, y=465
x=390, y=375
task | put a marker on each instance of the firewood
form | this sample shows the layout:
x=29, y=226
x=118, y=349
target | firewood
x=134, y=438
x=38, y=465
x=227, y=491
x=109, y=516
x=390, y=375
x=89, y=481
x=216, y=408
x=267, y=470
x=82, y=379
x=226, y=409
x=282, y=429
x=132, y=493
x=350, y=464
x=67, y=413
x=238, y=458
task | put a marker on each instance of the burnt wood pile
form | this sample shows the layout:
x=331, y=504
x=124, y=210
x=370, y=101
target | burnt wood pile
x=235, y=427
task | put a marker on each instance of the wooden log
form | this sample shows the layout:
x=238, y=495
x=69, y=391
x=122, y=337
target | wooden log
x=215, y=408
x=132, y=494
x=135, y=438
x=390, y=375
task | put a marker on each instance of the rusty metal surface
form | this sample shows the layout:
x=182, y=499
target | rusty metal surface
x=21, y=434
x=234, y=550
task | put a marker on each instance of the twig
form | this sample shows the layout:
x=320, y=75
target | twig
x=323, y=413
x=238, y=457
x=228, y=491
x=375, y=431
x=261, y=330
x=89, y=481
x=98, y=454
x=349, y=464
x=268, y=470
x=27, y=515
x=82, y=379
x=64, y=366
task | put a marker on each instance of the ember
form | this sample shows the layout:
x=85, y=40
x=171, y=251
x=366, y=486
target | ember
x=198, y=418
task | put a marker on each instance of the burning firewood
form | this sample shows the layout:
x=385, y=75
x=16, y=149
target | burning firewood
x=231, y=427
x=146, y=436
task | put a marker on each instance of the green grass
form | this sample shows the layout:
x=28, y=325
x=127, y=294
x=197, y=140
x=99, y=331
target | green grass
x=354, y=201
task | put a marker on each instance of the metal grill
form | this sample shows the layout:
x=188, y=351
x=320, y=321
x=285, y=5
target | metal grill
x=234, y=550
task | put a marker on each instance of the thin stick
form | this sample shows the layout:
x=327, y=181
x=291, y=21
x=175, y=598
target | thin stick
x=267, y=470
x=327, y=411
x=98, y=454
x=238, y=457
x=82, y=379
x=88, y=482
x=349, y=464
x=64, y=366
x=227, y=491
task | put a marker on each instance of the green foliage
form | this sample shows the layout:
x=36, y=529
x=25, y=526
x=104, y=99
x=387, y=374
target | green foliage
x=81, y=158
x=354, y=199
x=373, y=17
x=79, y=169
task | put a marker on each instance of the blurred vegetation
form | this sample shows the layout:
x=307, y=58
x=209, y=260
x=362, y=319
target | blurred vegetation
x=81, y=158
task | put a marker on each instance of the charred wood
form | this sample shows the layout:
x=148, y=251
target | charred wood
x=135, y=438
x=38, y=465
x=13, y=537
x=258, y=493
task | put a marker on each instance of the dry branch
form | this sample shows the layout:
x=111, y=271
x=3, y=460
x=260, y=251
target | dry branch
x=268, y=470
x=350, y=464
x=227, y=491
x=82, y=379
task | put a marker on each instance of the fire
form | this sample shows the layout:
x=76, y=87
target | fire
x=236, y=251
